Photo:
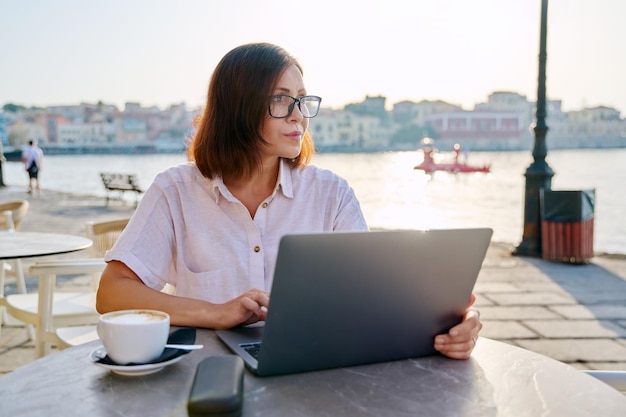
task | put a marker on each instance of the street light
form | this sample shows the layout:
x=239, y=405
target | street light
x=538, y=174
x=2, y=160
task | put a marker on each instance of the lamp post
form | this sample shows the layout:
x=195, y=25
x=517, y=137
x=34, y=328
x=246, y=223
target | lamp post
x=538, y=174
x=2, y=159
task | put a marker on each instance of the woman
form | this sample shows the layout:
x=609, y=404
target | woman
x=211, y=227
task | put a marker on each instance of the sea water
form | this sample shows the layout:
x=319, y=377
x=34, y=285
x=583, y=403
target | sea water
x=394, y=195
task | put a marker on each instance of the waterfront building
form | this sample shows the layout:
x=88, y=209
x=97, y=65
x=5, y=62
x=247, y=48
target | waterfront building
x=415, y=113
x=341, y=130
x=21, y=131
x=596, y=127
x=503, y=122
x=89, y=133
x=508, y=101
x=479, y=130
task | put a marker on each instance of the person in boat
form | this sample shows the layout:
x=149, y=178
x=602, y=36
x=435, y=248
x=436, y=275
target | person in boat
x=210, y=227
x=428, y=156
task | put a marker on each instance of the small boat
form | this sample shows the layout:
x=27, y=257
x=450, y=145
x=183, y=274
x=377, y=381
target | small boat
x=429, y=165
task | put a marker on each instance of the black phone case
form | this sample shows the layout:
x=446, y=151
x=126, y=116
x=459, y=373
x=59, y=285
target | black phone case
x=217, y=387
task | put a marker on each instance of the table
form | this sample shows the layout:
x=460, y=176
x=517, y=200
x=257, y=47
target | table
x=15, y=245
x=499, y=380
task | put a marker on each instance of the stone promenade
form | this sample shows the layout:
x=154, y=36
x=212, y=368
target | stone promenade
x=573, y=313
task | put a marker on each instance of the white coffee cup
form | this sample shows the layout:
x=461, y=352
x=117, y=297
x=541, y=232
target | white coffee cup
x=134, y=336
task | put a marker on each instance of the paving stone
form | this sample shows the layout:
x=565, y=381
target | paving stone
x=495, y=287
x=511, y=276
x=481, y=301
x=516, y=313
x=13, y=336
x=576, y=328
x=612, y=264
x=605, y=366
x=547, y=286
x=597, y=297
x=577, y=312
x=506, y=329
x=583, y=366
x=531, y=298
x=14, y=358
x=577, y=350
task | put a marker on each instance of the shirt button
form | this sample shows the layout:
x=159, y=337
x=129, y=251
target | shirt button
x=257, y=249
x=264, y=205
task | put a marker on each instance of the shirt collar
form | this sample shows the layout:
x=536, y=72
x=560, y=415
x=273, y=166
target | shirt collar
x=283, y=184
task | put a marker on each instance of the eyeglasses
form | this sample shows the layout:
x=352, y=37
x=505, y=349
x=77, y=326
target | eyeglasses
x=282, y=105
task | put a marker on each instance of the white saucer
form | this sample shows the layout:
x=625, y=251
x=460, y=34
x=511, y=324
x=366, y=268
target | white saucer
x=133, y=370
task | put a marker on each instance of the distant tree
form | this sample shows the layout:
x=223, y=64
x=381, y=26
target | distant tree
x=13, y=108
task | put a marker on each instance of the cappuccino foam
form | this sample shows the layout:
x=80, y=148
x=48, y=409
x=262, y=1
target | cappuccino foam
x=136, y=318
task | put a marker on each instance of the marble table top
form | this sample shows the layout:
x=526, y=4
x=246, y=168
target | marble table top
x=499, y=380
x=30, y=244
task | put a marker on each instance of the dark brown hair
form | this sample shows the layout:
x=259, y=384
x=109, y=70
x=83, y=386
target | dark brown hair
x=228, y=139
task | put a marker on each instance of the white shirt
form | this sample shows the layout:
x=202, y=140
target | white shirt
x=192, y=233
x=32, y=153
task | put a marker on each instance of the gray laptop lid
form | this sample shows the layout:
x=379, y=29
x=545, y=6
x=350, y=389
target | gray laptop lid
x=342, y=299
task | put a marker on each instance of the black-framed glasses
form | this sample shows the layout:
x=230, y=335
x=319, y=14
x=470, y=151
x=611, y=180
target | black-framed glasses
x=282, y=105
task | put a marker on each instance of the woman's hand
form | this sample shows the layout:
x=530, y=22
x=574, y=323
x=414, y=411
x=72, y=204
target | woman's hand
x=460, y=341
x=248, y=308
x=120, y=289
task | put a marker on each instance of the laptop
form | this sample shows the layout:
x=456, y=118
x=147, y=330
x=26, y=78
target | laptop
x=350, y=298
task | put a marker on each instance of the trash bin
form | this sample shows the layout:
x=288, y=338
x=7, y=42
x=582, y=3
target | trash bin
x=567, y=219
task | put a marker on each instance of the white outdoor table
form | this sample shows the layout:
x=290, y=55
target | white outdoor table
x=15, y=245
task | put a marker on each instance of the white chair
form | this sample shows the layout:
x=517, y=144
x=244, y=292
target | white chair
x=18, y=209
x=51, y=310
x=103, y=235
x=6, y=221
x=7, y=226
x=616, y=379
x=75, y=335
x=11, y=216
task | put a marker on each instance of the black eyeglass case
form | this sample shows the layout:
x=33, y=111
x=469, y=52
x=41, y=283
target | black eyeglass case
x=217, y=388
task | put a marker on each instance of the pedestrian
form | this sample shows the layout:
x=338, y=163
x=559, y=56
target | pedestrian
x=32, y=157
x=210, y=227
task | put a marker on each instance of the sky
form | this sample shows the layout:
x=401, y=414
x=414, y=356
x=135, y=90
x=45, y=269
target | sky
x=162, y=52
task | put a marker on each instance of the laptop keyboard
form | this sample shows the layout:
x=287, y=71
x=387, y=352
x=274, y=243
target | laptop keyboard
x=253, y=349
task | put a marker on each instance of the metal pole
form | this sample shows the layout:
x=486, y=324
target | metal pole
x=538, y=174
x=2, y=160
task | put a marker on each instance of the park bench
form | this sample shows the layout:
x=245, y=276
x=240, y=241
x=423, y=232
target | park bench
x=120, y=183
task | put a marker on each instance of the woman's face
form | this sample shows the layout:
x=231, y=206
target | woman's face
x=284, y=136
